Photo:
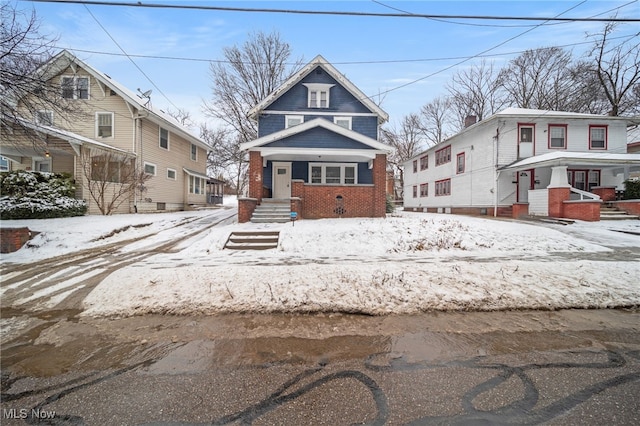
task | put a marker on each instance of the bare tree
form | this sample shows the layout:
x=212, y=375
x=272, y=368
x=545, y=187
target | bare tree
x=25, y=86
x=182, y=116
x=247, y=76
x=617, y=68
x=540, y=79
x=434, y=119
x=225, y=159
x=407, y=141
x=475, y=92
x=111, y=178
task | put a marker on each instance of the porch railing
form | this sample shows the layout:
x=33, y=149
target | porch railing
x=578, y=194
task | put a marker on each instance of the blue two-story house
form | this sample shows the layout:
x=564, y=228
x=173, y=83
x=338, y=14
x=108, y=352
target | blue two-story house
x=317, y=148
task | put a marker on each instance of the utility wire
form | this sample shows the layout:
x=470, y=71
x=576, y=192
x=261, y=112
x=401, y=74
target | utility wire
x=130, y=58
x=339, y=13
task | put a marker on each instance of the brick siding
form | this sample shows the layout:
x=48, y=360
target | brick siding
x=12, y=239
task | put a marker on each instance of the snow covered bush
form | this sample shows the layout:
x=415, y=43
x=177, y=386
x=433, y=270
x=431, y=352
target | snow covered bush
x=38, y=195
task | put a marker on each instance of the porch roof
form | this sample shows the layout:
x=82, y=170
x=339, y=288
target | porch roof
x=75, y=141
x=195, y=173
x=576, y=159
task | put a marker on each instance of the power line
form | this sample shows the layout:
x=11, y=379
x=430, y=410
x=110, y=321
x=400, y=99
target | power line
x=336, y=13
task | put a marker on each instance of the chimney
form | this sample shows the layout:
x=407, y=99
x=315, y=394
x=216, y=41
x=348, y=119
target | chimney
x=469, y=120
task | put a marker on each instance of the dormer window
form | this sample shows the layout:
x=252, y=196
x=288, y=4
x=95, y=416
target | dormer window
x=318, y=94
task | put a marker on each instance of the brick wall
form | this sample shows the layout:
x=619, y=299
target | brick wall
x=12, y=239
x=380, y=183
x=520, y=210
x=557, y=197
x=246, y=206
x=629, y=206
x=255, y=175
x=582, y=210
x=606, y=193
x=321, y=202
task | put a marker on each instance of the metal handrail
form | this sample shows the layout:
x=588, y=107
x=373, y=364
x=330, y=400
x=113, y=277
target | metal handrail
x=585, y=194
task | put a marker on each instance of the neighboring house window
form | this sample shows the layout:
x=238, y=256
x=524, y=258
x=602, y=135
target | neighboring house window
x=460, y=163
x=424, y=162
x=104, y=124
x=75, y=87
x=424, y=189
x=318, y=95
x=105, y=169
x=194, y=152
x=44, y=117
x=557, y=136
x=597, y=137
x=526, y=133
x=164, y=138
x=171, y=174
x=293, y=120
x=150, y=169
x=443, y=187
x=415, y=166
x=343, y=122
x=333, y=173
x=4, y=164
x=443, y=155
x=196, y=185
x=415, y=191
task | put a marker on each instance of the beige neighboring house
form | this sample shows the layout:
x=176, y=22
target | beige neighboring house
x=115, y=123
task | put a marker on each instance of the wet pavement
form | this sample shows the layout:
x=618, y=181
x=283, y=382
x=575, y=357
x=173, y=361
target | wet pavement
x=556, y=367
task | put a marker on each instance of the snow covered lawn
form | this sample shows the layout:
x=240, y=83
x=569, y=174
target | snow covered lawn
x=405, y=263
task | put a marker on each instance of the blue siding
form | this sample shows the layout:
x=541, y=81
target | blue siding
x=318, y=138
x=272, y=123
x=340, y=100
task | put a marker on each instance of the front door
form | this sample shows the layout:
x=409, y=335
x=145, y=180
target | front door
x=281, y=180
x=524, y=185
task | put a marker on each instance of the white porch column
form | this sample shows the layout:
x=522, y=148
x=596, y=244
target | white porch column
x=559, y=177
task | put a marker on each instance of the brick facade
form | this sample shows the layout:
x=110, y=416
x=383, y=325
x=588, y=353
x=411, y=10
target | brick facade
x=606, y=193
x=588, y=210
x=246, y=206
x=557, y=196
x=520, y=210
x=12, y=239
x=629, y=206
x=255, y=176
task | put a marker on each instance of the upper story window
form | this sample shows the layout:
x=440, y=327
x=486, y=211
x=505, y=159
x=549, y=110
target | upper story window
x=194, y=152
x=597, y=137
x=558, y=136
x=149, y=169
x=318, y=94
x=443, y=155
x=424, y=162
x=171, y=174
x=44, y=117
x=415, y=166
x=4, y=164
x=164, y=138
x=343, y=122
x=104, y=124
x=293, y=120
x=460, y=163
x=75, y=87
x=526, y=133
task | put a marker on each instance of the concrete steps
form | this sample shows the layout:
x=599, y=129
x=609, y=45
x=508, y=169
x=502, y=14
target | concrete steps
x=607, y=212
x=252, y=240
x=272, y=210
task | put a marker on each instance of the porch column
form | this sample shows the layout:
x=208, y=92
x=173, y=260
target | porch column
x=380, y=185
x=559, y=191
x=255, y=175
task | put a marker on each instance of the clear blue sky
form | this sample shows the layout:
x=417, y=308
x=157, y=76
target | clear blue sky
x=378, y=54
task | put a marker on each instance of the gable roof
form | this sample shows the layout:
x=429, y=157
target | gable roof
x=64, y=59
x=319, y=61
x=315, y=123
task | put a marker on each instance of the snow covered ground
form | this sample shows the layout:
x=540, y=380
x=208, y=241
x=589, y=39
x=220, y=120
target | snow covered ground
x=405, y=263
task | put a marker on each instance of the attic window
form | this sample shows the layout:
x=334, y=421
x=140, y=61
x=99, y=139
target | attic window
x=75, y=87
x=318, y=94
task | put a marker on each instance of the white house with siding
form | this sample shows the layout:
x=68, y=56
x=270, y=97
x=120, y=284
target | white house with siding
x=114, y=120
x=513, y=157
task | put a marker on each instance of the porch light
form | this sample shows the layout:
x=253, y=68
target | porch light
x=47, y=154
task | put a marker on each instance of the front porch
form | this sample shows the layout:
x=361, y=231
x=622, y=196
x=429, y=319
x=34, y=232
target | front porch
x=582, y=186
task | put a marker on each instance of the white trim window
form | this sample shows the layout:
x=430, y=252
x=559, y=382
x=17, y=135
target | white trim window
x=163, y=138
x=293, y=120
x=104, y=124
x=343, y=122
x=333, y=173
x=558, y=136
x=74, y=87
x=4, y=164
x=149, y=168
x=194, y=152
x=196, y=185
x=318, y=94
x=597, y=137
x=44, y=117
x=171, y=174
